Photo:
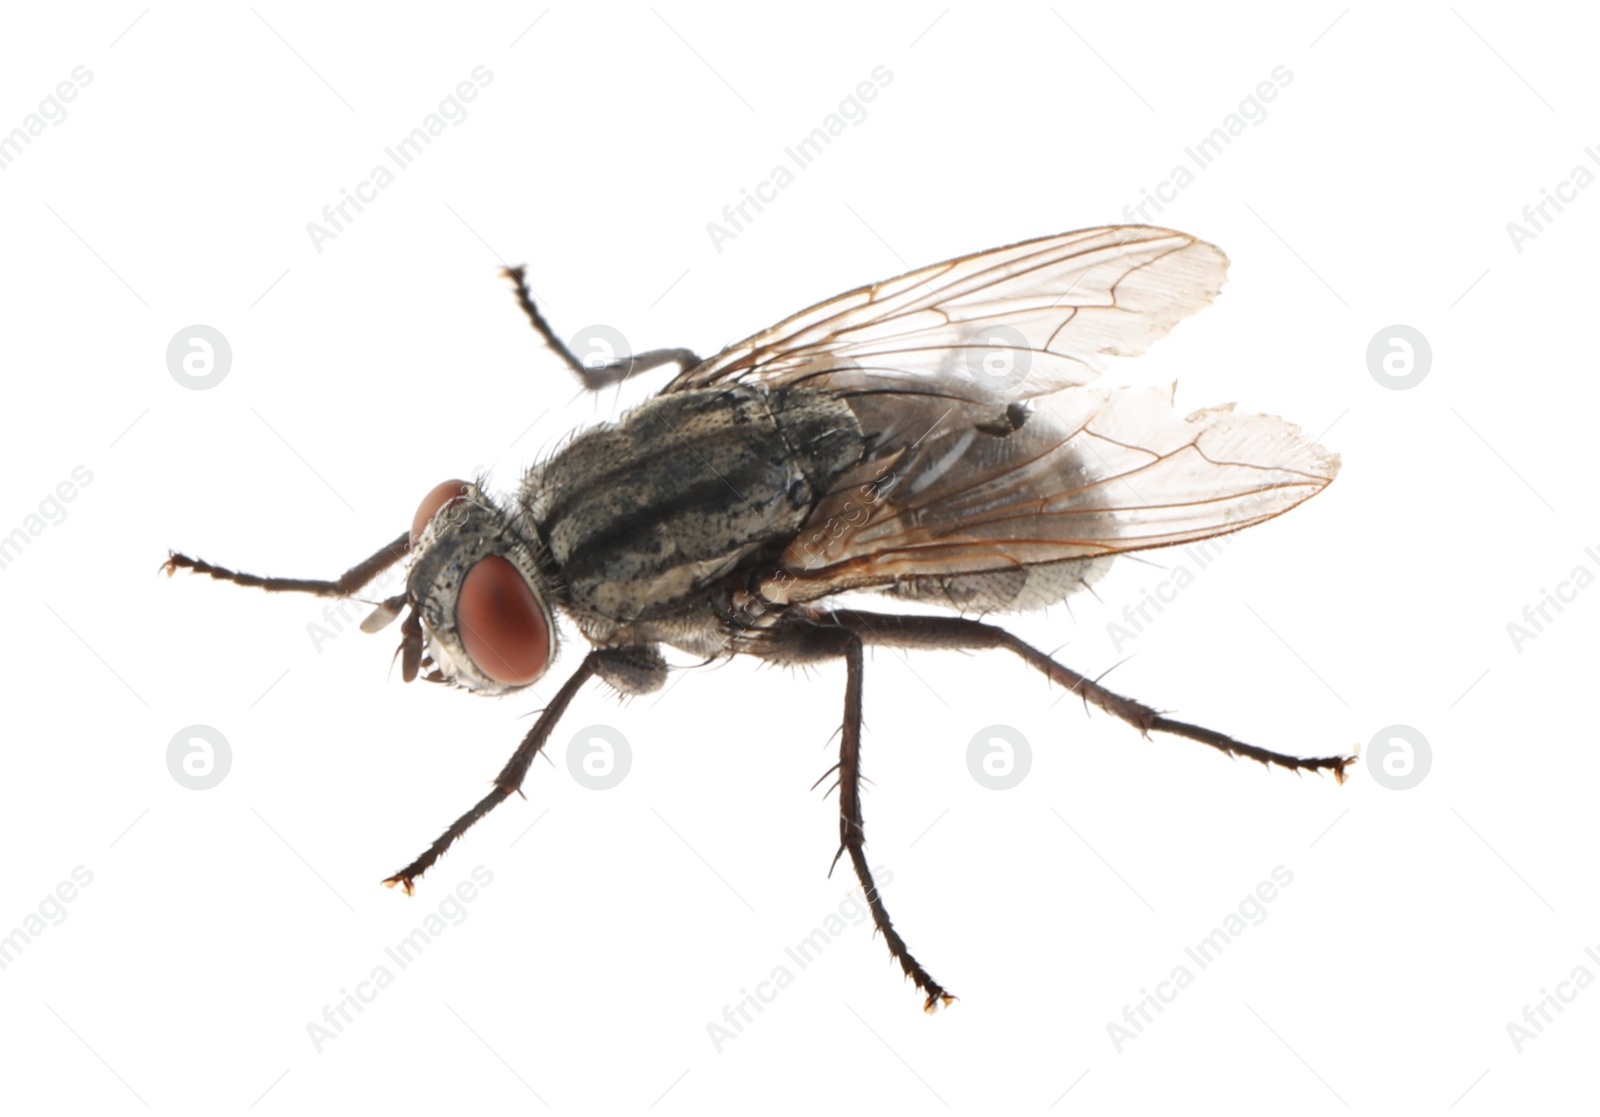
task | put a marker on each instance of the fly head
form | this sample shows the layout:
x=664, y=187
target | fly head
x=479, y=602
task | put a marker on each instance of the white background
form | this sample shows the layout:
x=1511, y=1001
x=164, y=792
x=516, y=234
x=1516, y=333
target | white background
x=219, y=923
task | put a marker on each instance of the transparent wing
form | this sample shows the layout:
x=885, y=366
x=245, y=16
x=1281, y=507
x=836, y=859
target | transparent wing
x=1006, y=324
x=989, y=465
x=1086, y=474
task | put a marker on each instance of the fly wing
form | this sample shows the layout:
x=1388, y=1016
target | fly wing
x=1083, y=474
x=989, y=465
x=1004, y=325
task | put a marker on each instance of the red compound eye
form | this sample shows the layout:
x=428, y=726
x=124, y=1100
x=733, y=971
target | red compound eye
x=438, y=499
x=501, y=623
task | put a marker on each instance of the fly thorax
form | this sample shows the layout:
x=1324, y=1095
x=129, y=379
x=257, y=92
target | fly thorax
x=642, y=515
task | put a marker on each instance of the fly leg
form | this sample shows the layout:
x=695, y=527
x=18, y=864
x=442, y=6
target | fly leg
x=960, y=633
x=808, y=641
x=853, y=837
x=346, y=584
x=594, y=377
x=511, y=776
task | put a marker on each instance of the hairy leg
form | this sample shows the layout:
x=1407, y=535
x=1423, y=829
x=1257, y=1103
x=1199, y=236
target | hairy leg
x=803, y=640
x=600, y=376
x=511, y=776
x=853, y=837
x=345, y=585
x=891, y=630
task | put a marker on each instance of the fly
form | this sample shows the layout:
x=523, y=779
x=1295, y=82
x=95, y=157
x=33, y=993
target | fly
x=934, y=437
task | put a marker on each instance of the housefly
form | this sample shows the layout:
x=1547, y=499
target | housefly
x=932, y=438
